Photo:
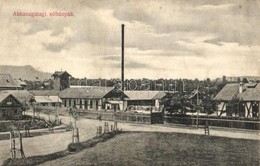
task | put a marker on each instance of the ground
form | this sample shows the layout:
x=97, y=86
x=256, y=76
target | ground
x=154, y=148
x=58, y=141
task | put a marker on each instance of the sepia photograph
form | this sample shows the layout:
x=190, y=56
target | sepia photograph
x=129, y=82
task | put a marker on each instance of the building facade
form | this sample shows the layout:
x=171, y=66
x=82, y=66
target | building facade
x=246, y=97
x=92, y=98
x=61, y=80
x=10, y=107
x=8, y=83
x=144, y=100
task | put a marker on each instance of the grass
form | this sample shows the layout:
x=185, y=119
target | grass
x=146, y=148
x=72, y=148
x=153, y=148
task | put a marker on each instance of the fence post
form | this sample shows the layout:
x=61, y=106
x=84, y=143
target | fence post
x=99, y=131
x=13, y=148
x=106, y=128
x=51, y=127
x=75, y=135
x=206, y=128
x=27, y=130
x=115, y=125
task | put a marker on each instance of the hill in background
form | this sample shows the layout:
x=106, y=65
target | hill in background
x=24, y=72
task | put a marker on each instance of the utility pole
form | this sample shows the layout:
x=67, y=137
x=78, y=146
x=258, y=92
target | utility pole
x=197, y=120
x=122, y=58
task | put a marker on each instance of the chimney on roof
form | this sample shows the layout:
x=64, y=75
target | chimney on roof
x=240, y=87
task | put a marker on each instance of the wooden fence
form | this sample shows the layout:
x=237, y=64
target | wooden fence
x=230, y=123
x=124, y=117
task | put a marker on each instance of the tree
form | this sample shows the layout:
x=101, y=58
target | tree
x=233, y=106
x=177, y=104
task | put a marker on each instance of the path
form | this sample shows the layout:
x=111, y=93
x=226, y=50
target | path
x=51, y=143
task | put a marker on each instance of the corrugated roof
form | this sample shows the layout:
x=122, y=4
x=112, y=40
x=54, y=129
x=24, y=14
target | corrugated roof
x=47, y=99
x=85, y=92
x=145, y=95
x=6, y=81
x=250, y=92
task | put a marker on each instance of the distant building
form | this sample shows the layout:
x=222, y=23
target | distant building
x=61, y=80
x=10, y=107
x=48, y=98
x=8, y=83
x=21, y=83
x=248, y=96
x=93, y=98
x=145, y=99
x=53, y=101
x=23, y=96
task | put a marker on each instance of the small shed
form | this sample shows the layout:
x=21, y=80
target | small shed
x=53, y=101
x=145, y=98
x=10, y=107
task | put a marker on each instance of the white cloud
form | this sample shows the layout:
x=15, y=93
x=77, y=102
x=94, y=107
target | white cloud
x=163, y=39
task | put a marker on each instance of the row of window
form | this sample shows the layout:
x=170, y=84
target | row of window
x=73, y=103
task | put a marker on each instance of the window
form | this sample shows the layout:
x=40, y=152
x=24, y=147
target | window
x=65, y=102
x=91, y=104
x=75, y=103
x=15, y=111
x=80, y=103
x=69, y=103
x=96, y=104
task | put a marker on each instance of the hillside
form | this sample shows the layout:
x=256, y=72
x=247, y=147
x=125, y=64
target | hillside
x=24, y=72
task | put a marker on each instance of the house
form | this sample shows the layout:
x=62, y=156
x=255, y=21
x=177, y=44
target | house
x=23, y=96
x=145, y=99
x=21, y=83
x=10, y=107
x=53, y=101
x=61, y=80
x=8, y=83
x=93, y=98
x=48, y=98
x=247, y=97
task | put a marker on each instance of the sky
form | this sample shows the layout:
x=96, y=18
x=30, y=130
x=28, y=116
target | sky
x=163, y=39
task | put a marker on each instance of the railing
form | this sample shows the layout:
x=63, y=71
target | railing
x=215, y=121
x=124, y=117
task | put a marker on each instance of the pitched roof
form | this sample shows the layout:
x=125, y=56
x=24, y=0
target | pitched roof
x=20, y=82
x=4, y=95
x=47, y=99
x=23, y=96
x=251, y=92
x=6, y=81
x=85, y=92
x=145, y=95
x=59, y=73
x=45, y=92
x=228, y=92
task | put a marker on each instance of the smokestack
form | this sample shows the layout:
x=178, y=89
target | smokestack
x=240, y=87
x=122, y=59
